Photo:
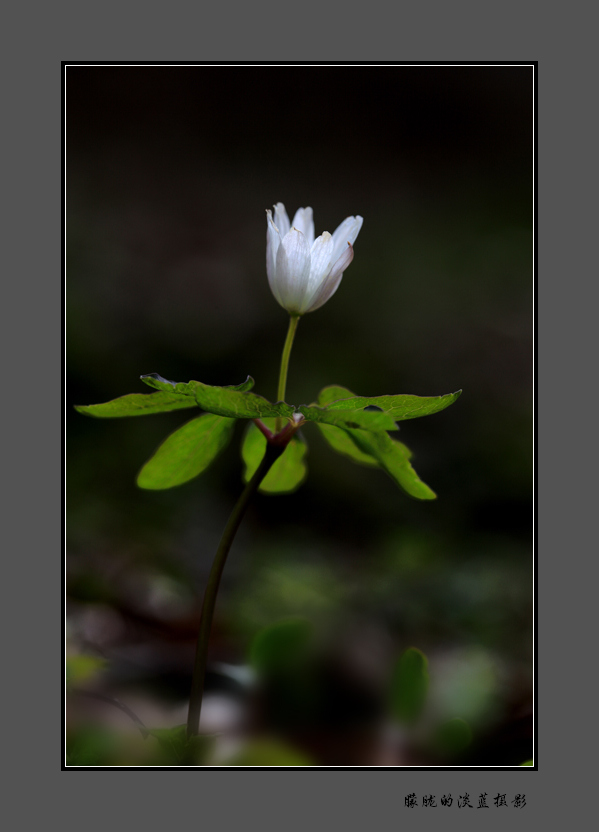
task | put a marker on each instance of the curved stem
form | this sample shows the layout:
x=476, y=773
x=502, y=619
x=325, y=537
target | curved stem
x=199, y=670
x=110, y=700
x=293, y=321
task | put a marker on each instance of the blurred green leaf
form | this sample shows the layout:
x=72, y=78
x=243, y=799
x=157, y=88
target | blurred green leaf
x=399, y=407
x=453, y=736
x=471, y=680
x=172, y=740
x=280, y=645
x=82, y=668
x=267, y=752
x=287, y=473
x=137, y=404
x=186, y=452
x=92, y=746
x=528, y=763
x=409, y=685
x=392, y=456
x=178, y=749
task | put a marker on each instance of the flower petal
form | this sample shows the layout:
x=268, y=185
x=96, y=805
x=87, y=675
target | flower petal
x=281, y=219
x=299, y=267
x=304, y=222
x=346, y=233
x=320, y=265
x=292, y=271
x=342, y=262
x=331, y=284
x=273, y=241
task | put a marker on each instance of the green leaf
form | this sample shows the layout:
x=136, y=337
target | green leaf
x=186, y=452
x=392, y=456
x=287, y=473
x=352, y=419
x=332, y=393
x=453, y=736
x=237, y=403
x=409, y=685
x=179, y=749
x=92, y=746
x=341, y=441
x=160, y=383
x=172, y=740
x=280, y=645
x=269, y=752
x=82, y=668
x=528, y=763
x=137, y=404
x=399, y=407
x=234, y=402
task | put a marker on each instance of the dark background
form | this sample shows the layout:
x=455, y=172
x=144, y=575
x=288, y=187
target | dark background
x=169, y=171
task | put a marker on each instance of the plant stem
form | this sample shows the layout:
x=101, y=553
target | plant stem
x=92, y=694
x=199, y=671
x=293, y=321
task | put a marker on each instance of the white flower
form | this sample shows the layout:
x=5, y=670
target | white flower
x=303, y=272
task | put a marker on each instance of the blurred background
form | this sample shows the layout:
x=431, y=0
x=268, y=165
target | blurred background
x=169, y=172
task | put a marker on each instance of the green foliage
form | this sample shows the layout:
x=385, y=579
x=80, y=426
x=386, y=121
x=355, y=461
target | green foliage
x=182, y=389
x=235, y=402
x=453, y=736
x=280, y=645
x=409, y=685
x=350, y=419
x=269, y=752
x=341, y=441
x=394, y=458
x=407, y=697
x=137, y=404
x=92, y=746
x=399, y=407
x=377, y=448
x=169, y=396
x=82, y=668
x=187, y=452
x=180, y=750
x=342, y=418
x=287, y=473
